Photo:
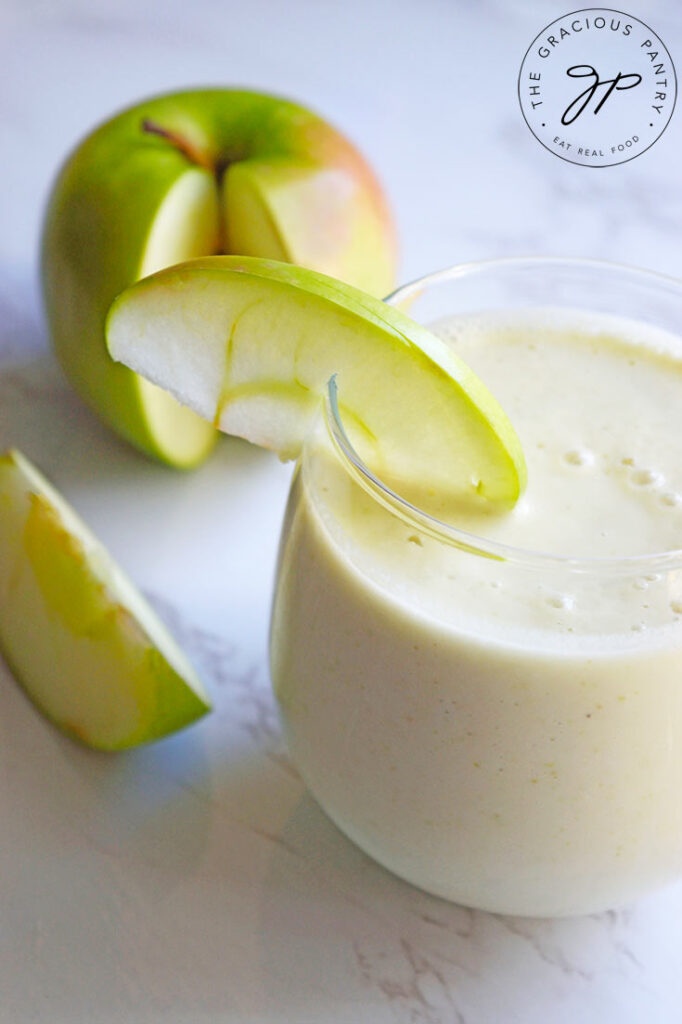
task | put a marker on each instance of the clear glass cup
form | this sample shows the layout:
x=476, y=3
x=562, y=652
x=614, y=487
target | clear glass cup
x=490, y=755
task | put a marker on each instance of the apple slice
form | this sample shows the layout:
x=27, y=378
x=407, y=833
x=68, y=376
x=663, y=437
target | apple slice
x=86, y=647
x=191, y=174
x=250, y=344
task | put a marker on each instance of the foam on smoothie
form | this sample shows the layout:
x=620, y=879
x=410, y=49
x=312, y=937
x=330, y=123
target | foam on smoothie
x=597, y=403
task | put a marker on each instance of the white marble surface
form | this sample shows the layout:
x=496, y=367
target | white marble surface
x=196, y=880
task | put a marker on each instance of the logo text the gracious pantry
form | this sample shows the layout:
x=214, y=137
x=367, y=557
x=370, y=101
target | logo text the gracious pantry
x=597, y=87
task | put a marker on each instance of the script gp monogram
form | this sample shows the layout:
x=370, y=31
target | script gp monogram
x=618, y=83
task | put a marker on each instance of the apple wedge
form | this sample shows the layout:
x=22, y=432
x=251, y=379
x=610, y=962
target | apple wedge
x=250, y=344
x=187, y=175
x=84, y=644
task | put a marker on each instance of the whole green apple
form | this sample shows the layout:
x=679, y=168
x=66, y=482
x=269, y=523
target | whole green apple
x=194, y=174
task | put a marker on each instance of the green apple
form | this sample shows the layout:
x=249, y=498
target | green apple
x=249, y=344
x=86, y=647
x=187, y=175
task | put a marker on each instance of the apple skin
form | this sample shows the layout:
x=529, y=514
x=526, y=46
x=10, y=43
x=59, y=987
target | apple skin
x=187, y=175
x=250, y=344
x=80, y=639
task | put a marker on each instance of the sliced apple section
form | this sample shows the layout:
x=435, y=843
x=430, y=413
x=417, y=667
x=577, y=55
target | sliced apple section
x=185, y=226
x=306, y=215
x=250, y=344
x=84, y=644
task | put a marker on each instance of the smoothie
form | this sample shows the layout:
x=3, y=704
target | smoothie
x=499, y=727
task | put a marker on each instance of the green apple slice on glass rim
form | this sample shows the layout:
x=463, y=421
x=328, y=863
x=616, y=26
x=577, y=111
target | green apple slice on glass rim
x=250, y=344
x=80, y=639
x=190, y=174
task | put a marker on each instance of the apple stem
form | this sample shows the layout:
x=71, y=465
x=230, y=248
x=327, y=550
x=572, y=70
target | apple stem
x=181, y=143
x=196, y=157
x=220, y=169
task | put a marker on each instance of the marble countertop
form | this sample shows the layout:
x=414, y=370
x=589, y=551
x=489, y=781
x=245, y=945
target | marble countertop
x=196, y=880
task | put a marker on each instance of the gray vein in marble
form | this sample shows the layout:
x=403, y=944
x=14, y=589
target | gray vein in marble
x=416, y=990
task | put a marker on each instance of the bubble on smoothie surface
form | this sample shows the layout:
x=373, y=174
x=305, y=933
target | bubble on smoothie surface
x=646, y=478
x=579, y=457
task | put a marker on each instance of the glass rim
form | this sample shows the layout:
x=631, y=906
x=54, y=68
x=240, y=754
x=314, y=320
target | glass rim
x=455, y=270
x=423, y=521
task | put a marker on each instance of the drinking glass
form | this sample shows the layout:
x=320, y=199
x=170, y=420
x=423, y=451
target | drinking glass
x=500, y=727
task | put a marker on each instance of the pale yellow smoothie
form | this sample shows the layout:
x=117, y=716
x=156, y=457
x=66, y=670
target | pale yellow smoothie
x=501, y=728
